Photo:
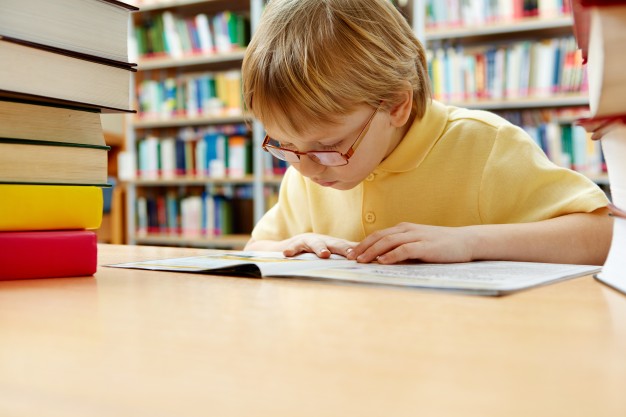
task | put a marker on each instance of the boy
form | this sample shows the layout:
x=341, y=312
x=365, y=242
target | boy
x=379, y=171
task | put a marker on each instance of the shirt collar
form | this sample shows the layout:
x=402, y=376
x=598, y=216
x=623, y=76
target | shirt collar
x=418, y=140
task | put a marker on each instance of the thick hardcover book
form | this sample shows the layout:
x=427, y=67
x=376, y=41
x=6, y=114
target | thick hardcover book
x=30, y=161
x=94, y=27
x=53, y=254
x=24, y=120
x=34, y=71
x=49, y=207
x=598, y=26
x=482, y=278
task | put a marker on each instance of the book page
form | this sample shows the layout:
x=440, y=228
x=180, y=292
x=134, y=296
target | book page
x=489, y=277
x=267, y=263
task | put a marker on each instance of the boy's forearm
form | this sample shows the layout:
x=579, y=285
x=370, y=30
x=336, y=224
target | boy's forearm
x=579, y=238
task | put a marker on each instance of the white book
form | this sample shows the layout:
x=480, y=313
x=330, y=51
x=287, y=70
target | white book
x=172, y=38
x=605, y=65
x=168, y=158
x=149, y=158
x=614, y=148
x=483, y=278
x=191, y=216
x=204, y=34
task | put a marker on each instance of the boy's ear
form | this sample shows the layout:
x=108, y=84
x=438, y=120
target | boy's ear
x=400, y=113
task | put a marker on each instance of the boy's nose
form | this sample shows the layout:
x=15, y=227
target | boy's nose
x=308, y=167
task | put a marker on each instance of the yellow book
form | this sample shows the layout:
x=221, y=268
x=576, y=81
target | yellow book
x=49, y=207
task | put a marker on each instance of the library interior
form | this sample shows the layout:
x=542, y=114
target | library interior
x=132, y=176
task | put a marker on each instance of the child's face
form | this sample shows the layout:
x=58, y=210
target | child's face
x=376, y=143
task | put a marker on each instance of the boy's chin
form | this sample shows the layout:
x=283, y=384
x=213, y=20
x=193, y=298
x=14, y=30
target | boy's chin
x=344, y=186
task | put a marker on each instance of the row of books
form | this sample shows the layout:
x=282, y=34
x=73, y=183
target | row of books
x=54, y=81
x=168, y=34
x=191, y=95
x=454, y=13
x=196, y=214
x=565, y=143
x=214, y=153
x=509, y=71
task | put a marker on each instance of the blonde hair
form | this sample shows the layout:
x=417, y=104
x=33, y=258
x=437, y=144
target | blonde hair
x=311, y=61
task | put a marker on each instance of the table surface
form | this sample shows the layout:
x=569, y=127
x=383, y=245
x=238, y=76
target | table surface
x=145, y=343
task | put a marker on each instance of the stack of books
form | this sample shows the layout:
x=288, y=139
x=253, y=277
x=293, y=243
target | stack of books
x=599, y=28
x=63, y=63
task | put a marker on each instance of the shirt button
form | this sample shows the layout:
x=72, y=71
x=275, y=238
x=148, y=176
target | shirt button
x=370, y=217
x=370, y=177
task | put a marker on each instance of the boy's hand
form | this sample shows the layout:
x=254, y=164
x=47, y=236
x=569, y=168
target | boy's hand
x=414, y=241
x=321, y=245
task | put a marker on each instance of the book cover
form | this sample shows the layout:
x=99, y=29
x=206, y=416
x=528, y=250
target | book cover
x=92, y=27
x=53, y=254
x=48, y=207
x=599, y=33
x=482, y=278
x=35, y=71
x=30, y=161
x=24, y=120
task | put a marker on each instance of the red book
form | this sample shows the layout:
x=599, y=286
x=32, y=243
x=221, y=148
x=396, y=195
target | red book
x=47, y=254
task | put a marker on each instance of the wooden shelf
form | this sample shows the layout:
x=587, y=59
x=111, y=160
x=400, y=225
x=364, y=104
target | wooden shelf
x=227, y=241
x=503, y=27
x=166, y=4
x=247, y=180
x=163, y=182
x=145, y=64
x=156, y=123
x=525, y=103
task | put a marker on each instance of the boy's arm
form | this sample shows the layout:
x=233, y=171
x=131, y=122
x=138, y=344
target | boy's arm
x=578, y=238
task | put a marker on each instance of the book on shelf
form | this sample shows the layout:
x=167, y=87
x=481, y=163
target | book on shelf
x=46, y=162
x=484, y=278
x=49, y=254
x=49, y=207
x=513, y=70
x=169, y=34
x=47, y=122
x=39, y=73
x=92, y=27
x=223, y=152
x=453, y=14
x=196, y=215
x=213, y=94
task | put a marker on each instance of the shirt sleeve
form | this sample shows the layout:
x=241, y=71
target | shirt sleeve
x=520, y=184
x=290, y=215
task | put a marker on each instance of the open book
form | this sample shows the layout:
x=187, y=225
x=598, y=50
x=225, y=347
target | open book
x=484, y=278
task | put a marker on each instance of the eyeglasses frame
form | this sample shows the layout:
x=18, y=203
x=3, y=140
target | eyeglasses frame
x=346, y=156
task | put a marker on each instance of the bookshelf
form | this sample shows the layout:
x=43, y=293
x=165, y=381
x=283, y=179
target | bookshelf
x=522, y=64
x=162, y=63
x=264, y=178
x=262, y=181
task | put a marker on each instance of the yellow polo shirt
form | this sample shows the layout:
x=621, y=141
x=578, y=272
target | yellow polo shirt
x=454, y=167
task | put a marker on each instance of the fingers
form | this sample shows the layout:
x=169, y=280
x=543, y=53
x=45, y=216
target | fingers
x=341, y=247
x=378, y=243
x=321, y=245
x=317, y=247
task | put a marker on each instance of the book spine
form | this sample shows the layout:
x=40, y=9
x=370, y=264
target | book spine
x=28, y=255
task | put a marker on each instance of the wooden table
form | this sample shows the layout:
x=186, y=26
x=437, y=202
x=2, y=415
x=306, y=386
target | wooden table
x=141, y=343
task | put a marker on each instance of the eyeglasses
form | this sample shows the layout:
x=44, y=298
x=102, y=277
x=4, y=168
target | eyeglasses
x=326, y=158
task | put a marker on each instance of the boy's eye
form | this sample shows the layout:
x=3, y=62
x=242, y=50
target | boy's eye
x=332, y=147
